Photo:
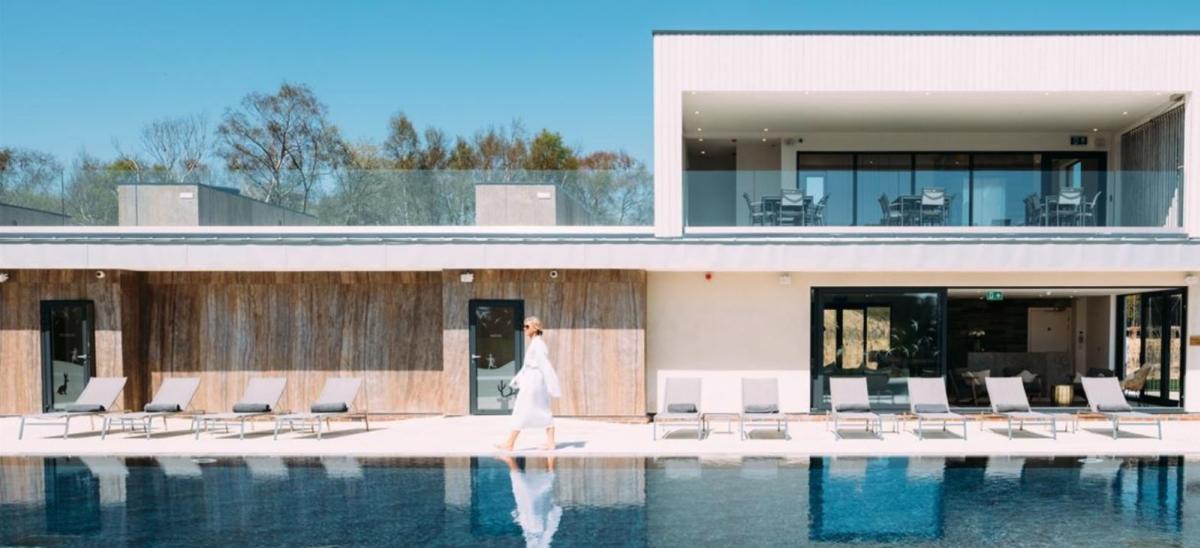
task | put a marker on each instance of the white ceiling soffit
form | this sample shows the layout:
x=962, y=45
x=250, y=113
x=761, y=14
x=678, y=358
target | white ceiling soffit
x=744, y=114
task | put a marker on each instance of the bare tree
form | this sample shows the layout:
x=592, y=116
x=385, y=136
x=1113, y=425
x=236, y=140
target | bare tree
x=282, y=144
x=30, y=178
x=177, y=147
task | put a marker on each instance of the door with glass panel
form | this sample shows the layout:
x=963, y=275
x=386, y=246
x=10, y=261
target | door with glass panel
x=1152, y=338
x=496, y=349
x=68, y=342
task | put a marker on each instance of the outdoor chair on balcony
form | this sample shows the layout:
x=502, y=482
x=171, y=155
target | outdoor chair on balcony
x=927, y=400
x=933, y=207
x=758, y=214
x=815, y=215
x=890, y=213
x=95, y=401
x=173, y=398
x=336, y=400
x=1087, y=214
x=259, y=400
x=681, y=405
x=852, y=403
x=1033, y=211
x=1067, y=207
x=791, y=207
x=760, y=404
x=1009, y=401
x=1105, y=397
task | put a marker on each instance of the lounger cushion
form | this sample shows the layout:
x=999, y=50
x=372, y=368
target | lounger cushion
x=853, y=408
x=337, y=407
x=251, y=408
x=681, y=408
x=762, y=408
x=930, y=408
x=83, y=408
x=1012, y=408
x=163, y=408
x=1114, y=408
x=1027, y=376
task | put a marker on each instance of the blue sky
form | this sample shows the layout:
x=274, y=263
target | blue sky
x=77, y=75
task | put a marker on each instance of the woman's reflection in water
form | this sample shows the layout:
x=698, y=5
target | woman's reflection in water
x=533, y=490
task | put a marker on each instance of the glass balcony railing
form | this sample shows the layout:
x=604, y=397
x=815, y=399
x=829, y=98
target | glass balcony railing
x=1027, y=199
x=580, y=198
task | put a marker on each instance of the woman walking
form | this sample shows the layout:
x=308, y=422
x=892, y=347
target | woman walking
x=536, y=383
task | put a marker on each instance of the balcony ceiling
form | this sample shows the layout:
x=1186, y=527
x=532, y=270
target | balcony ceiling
x=791, y=114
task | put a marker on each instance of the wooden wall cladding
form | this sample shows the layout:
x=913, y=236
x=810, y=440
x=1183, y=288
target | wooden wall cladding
x=21, y=324
x=227, y=327
x=595, y=325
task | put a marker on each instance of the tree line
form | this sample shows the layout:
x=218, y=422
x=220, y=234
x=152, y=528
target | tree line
x=282, y=148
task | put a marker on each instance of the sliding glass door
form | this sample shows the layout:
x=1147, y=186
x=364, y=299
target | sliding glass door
x=1152, y=327
x=884, y=335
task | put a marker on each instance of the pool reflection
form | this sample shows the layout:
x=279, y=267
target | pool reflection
x=610, y=501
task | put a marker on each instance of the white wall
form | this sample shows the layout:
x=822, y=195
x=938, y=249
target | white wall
x=910, y=62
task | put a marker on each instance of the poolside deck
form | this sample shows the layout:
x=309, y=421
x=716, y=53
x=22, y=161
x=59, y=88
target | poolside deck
x=463, y=436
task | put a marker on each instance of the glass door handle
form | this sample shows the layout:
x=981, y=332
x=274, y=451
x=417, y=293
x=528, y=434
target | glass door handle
x=475, y=356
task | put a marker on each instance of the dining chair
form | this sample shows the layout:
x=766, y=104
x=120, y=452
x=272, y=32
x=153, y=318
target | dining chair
x=933, y=206
x=756, y=210
x=890, y=213
x=1087, y=214
x=816, y=214
x=791, y=207
x=1066, y=211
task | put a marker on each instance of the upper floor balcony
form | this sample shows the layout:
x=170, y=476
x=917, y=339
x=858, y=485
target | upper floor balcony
x=971, y=163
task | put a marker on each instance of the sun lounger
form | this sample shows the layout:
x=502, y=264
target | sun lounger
x=96, y=400
x=852, y=403
x=760, y=404
x=681, y=404
x=1008, y=398
x=173, y=397
x=259, y=400
x=927, y=400
x=1105, y=397
x=336, y=400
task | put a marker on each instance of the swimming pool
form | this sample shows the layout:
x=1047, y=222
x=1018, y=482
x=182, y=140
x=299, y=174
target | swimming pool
x=258, y=501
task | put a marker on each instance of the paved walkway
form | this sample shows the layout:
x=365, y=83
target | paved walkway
x=463, y=436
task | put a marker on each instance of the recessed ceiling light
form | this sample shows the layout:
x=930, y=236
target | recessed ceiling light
x=696, y=112
x=1095, y=129
x=702, y=139
x=764, y=139
x=703, y=152
x=765, y=129
x=693, y=93
x=699, y=129
x=1126, y=113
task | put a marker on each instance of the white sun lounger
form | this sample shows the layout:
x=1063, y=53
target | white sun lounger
x=927, y=400
x=1105, y=397
x=1008, y=398
x=681, y=404
x=173, y=397
x=760, y=404
x=259, y=400
x=852, y=403
x=96, y=400
x=336, y=400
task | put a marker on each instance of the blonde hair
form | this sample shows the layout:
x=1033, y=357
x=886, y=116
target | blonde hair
x=535, y=323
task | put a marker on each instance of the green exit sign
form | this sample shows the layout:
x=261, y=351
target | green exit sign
x=995, y=295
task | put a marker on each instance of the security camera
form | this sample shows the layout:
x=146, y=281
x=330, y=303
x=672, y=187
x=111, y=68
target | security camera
x=100, y=274
x=553, y=274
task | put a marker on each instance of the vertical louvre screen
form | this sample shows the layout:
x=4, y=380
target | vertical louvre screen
x=1152, y=172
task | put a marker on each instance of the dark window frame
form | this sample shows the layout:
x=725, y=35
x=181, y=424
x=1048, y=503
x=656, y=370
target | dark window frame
x=519, y=307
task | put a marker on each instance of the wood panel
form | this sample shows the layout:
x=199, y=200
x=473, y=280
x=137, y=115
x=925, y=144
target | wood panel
x=20, y=332
x=594, y=327
x=227, y=327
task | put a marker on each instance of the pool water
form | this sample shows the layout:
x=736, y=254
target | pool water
x=343, y=501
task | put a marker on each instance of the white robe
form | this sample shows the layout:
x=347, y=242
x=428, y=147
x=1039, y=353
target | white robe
x=536, y=512
x=536, y=384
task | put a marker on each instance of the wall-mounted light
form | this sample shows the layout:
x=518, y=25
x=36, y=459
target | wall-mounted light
x=466, y=277
x=1190, y=279
x=3, y=277
x=785, y=279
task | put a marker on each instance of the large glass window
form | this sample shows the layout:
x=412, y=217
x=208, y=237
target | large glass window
x=950, y=173
x=1153, y=365
x=829, y=180
x=885, y=335
x=884, y=184
x=1007, y=189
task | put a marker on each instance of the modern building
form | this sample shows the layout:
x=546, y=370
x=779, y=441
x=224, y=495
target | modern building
x=872, y=203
